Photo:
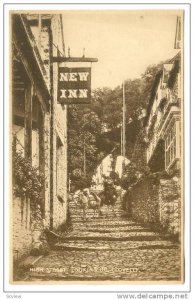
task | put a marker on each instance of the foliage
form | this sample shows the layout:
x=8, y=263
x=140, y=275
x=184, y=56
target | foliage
x=88, y=123
x=132, y=174
x=83, y=131
x=27, y=179
x=115, y=177
x=80, y=182
x=107, y=103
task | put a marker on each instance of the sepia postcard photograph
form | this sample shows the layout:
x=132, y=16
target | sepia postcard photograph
x=96, y=138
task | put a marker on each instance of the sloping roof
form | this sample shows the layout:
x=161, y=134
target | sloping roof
x=23, y=38
x=175, y=60
x=176, y=57
x=152, y=95
x=177, y=41
x=173, y=74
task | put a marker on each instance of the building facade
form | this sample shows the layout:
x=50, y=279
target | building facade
x=39, y=128
x=164, y=135
x=164, y=119
x=156, y=196
x=104, y=169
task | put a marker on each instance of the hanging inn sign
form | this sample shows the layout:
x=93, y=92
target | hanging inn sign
x=74, y=84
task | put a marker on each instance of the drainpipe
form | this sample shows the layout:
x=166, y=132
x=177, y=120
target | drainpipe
x=51, y=131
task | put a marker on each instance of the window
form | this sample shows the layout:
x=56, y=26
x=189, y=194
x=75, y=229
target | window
x=18, y=108
x=171, y=145
x=59, y=166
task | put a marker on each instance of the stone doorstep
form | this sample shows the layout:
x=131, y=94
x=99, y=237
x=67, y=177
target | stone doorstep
x=30, y=261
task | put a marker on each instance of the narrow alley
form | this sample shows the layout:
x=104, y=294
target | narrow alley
x=97, y=147
x=112, y=248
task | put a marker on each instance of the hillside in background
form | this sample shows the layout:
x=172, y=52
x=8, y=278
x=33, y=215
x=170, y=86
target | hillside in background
x=94, y=129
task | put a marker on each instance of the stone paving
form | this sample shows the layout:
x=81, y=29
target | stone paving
x=112, y=248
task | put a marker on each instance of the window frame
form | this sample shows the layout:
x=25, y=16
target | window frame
x=172, y=145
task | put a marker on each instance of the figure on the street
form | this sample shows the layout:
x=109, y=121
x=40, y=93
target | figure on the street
x=88, y=200
x=83, y=200
x=94, y=202
x=109, y=194
x=127, y=198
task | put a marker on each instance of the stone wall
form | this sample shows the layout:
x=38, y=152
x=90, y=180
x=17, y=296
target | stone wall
x=59, y=136
x=170, y=206
x=139, y=156
x=144, y=201
x=47, y=169
x=59, y=213
x=157, y=201
x=22, y=237
x=28, y=224
x=27, y=229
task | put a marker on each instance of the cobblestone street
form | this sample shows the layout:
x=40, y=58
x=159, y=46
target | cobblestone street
x=112, y=248
x=96, y=140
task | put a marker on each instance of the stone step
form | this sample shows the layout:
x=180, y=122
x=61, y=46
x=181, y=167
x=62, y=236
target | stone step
x=110, y=221
x=92, y=227
x=117, y=229
x=74, y=203
x=139, y=261
x=92, y=213
x=75, y=206
x=100, y=222
x=78, y=206
x=37, y=277
x=78, y=210
x=85, y=226
x=96, y=216
x=82, y=275
x=132, y=236
x=114, y=245
x=89, y=219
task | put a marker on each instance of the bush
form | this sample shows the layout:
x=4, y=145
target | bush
x=28, y=181
x=132, y=174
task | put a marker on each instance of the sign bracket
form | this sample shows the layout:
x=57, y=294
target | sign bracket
x=60, y=59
